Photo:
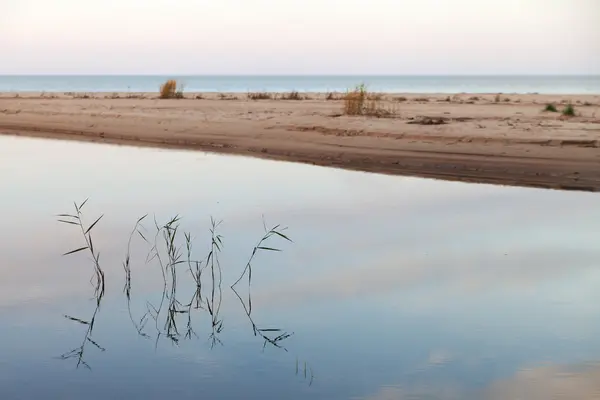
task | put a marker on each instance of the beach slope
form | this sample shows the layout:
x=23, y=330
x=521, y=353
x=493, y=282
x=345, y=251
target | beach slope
x=475, y=138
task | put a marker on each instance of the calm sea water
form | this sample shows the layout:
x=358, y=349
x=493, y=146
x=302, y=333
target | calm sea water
x=393, y=287
x=406, y=84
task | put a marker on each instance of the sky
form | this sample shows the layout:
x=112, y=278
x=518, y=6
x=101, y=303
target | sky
x=300, y=37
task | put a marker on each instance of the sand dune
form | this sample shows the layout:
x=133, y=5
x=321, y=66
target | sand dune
x=505, y=139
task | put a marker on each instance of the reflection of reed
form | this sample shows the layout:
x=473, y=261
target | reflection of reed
x=76, y=219
x=174, y=256
x=170, y=257
x=139, y=326
x=78, y=352
x=272, y=336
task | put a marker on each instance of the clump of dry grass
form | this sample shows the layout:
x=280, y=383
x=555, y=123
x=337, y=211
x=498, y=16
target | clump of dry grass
x=359, y=102
x=259, y=96
x=379, y=109
x=291, y=96
x=569, y=110
x=400, y=99
x=333, y=96
x=422, y=99
x=223, y=96
x=168, y=89
x=354, y=101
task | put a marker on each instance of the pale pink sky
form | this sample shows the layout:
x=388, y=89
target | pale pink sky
x=300, y=37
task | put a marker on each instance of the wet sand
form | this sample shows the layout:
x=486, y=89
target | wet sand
x=505, y=139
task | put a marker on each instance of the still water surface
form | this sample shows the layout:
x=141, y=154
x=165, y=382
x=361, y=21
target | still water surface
x=393, y=288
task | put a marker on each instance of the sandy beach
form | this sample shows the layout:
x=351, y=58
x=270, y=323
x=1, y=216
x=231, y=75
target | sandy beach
x=503, y=139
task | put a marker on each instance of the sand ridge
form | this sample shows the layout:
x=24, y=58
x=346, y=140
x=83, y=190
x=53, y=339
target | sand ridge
x=505, y=139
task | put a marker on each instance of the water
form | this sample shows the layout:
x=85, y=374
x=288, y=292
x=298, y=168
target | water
x=393, y=287
x=393, y=84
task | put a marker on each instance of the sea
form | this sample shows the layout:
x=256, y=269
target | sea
x=589, y=84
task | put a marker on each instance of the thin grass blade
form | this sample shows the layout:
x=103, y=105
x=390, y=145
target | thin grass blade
x=68, y=222
x=94, y=224
x=77, y=320
x=267, y=248
x=75, y=251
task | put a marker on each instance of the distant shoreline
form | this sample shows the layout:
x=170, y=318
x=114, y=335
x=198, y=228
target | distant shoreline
x=309, y=95
x=319, y=75
x=418, y=84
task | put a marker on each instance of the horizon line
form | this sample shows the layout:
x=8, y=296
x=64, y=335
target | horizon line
x=303, y=75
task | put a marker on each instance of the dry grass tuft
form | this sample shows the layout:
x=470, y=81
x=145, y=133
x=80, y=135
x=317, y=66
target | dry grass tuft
x=260, y=96
x=354, y=101
x=376, y=108
x=223, y=96
x=569, y=110
x=292, y=96
x=360, y=102
x=333, y=96
x=168, y=90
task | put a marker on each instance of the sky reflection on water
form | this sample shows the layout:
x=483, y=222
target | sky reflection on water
x=394, y=287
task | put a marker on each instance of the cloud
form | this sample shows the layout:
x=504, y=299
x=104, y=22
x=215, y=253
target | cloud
x=446, y=391
x=553, y=382
x=449, y=270
x=574, y=382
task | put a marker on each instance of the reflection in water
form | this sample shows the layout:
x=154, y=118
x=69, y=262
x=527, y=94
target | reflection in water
x=556, y=382
x=568, y=382
x=78, y=352
x=262, y=332
x=414, y=289
x=76, y=219
x=175, y=260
